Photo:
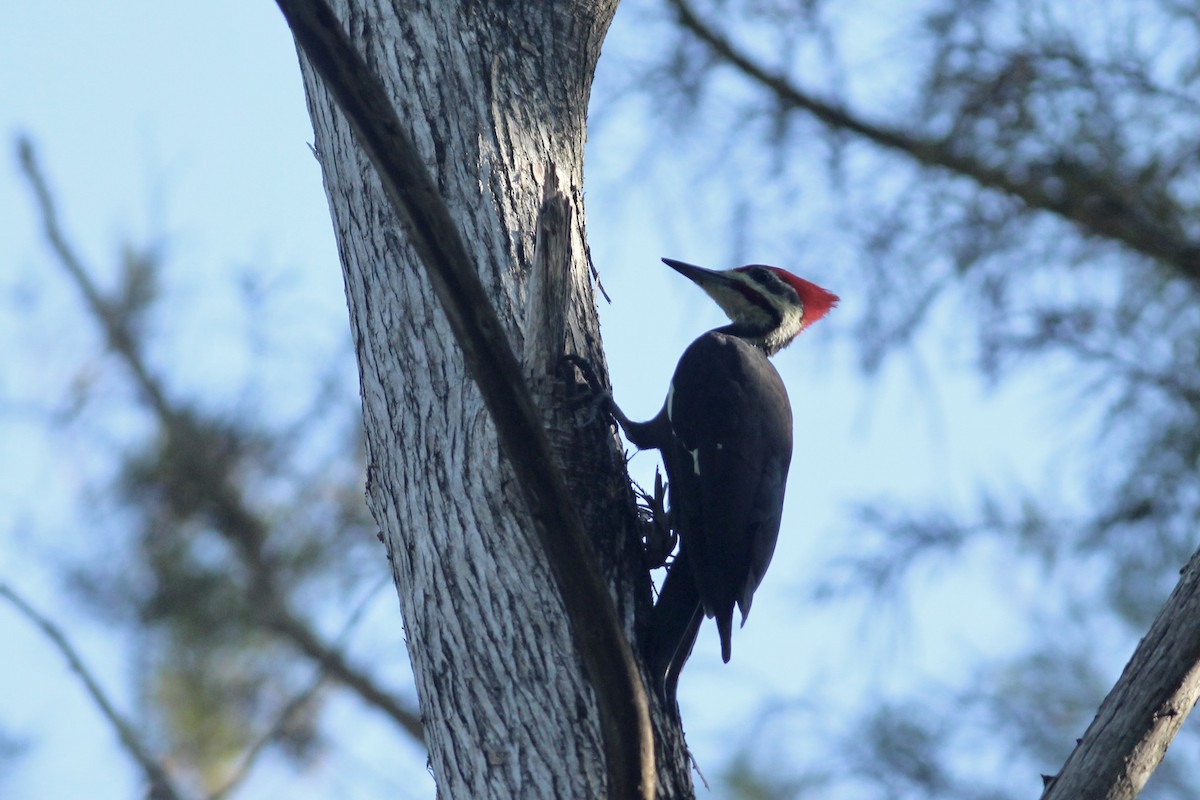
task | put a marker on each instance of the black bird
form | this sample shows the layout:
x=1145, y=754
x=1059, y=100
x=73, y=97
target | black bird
x=725, y=436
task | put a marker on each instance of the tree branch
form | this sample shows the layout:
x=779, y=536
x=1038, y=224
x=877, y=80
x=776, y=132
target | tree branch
x=161, y=786
x=596, y=630
x=277, y=729
x=232, y=518
x=115, y=331
x=1063, y=188
x=333, y=661
x=296, y=704
x=1143, y=712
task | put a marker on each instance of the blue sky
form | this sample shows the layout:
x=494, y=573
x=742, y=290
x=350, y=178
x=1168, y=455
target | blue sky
x=189, y=122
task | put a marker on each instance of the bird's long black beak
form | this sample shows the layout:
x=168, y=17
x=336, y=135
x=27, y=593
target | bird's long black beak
x=702, y=277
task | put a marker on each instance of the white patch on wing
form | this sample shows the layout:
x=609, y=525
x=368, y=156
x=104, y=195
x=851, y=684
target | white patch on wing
x=670, y=399
x=695, y=460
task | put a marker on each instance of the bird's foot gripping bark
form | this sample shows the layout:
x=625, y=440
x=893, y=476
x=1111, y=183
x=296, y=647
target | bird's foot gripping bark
x=593, y=395
x=656, y=524
x=652, y=512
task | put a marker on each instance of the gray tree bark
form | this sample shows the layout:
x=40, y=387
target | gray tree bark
x=494, y=95
x=1145, y=709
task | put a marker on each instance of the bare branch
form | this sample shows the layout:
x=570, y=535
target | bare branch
x=297, y=704
x=231, y=516
x=606, y=654
x=334, y=662
x=118, y=335
x=1143, y=712
x=1065, y=188
x=277, y=729
x=161, y=785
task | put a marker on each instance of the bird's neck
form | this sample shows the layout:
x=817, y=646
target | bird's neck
x=768, y=338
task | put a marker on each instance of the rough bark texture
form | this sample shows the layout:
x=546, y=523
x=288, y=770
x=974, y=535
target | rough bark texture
x=1143, y=712
x=492, y=95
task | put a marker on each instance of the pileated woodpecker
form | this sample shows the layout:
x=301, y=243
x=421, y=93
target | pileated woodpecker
x=725, y=435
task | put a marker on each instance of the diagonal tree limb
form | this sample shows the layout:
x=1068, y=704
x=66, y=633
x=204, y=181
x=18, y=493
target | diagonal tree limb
x=161, y=785
x=115, y=331
x=333, y=661
x=295, y=705
x=1145, y=709
x=1090, y=202
x=276, y=729
x=605, y=652
x=231, y=516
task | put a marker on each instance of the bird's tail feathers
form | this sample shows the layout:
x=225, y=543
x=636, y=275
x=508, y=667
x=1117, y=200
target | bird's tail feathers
x=744, y=606
x=725, y=629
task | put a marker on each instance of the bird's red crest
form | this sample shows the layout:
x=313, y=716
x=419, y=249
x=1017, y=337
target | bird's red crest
x=817, y=301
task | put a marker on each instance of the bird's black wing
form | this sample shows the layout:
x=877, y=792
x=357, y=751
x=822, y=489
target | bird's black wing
x=732, y=420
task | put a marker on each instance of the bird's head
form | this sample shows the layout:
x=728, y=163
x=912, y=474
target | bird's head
x=766, y=306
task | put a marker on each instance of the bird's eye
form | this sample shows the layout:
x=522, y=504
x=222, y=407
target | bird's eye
x=771, y=282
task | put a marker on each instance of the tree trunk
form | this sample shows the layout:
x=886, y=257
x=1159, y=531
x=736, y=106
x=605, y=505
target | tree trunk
x=495, y=97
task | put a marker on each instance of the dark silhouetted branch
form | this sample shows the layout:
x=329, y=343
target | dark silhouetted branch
x=161, y=785
x=296, y=705
x=1090, y=202
x=230, y=514
x=117, y=333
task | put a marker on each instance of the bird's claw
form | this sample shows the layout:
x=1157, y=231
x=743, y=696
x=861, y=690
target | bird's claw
x=592, y=395
x=572, y=361
x=656, y=522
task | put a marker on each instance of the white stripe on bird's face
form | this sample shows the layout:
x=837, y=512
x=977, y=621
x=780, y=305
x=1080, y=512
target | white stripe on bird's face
x=789, y=328
x=774, y=321
x=738, y=308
